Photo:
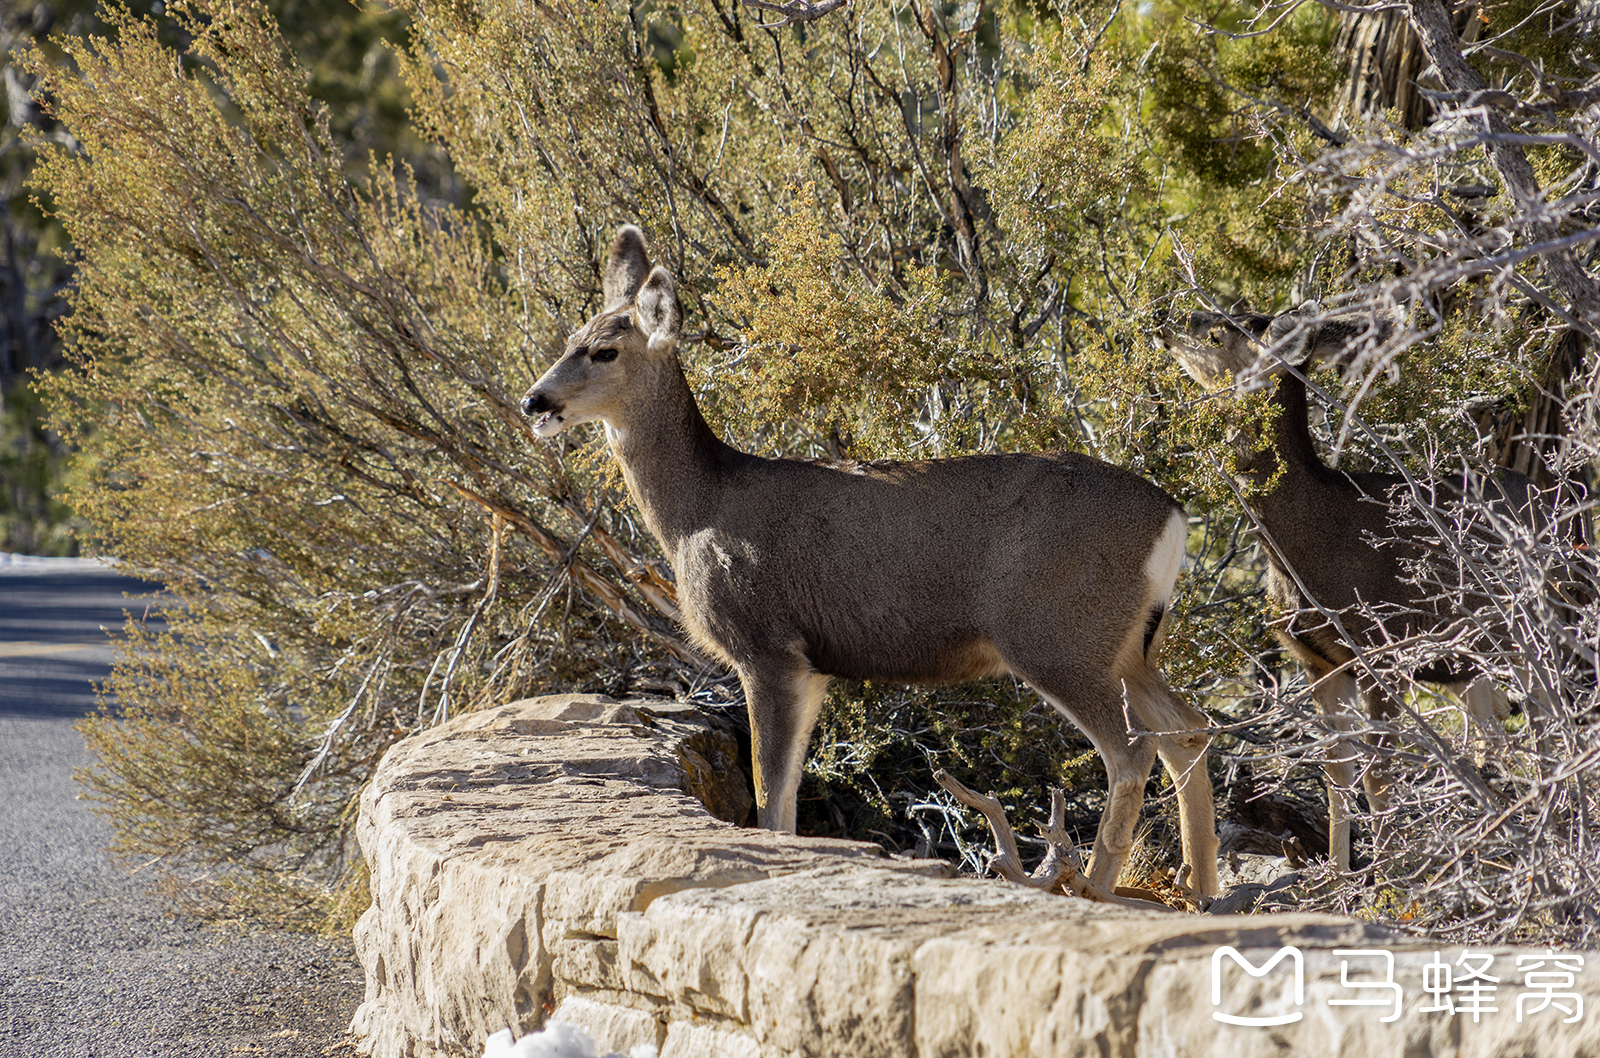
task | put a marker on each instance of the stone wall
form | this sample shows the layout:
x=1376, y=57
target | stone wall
x=567, y=857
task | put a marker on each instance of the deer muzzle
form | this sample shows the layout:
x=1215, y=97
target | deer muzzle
x=550, y=420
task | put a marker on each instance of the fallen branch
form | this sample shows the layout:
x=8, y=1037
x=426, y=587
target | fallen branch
x=1060, y=871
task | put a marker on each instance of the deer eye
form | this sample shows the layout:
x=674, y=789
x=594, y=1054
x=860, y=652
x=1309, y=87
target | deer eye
x=603, y=355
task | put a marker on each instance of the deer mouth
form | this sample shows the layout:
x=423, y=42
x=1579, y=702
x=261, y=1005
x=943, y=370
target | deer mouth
x=546, y=413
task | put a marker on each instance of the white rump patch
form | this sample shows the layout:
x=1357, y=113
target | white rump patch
x=1166, y=559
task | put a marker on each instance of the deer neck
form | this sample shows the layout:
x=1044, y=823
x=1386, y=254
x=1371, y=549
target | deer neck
x=669, y=456
x=1293, y=490
x=1281, y=456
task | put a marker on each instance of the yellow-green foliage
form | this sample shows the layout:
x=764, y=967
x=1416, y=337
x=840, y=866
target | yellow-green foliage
x=1068, y=177
x=285, y=381
x=822, y=345
x=279, y=383
x=898, y=231
x=1537, y=30
x=824, y=349
x=224, y=731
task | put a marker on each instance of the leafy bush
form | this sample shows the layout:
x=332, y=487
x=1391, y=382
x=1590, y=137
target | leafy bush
x=904, y=229
x=302, y=390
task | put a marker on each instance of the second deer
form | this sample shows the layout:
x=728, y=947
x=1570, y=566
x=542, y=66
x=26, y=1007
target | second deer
x=1056, y=568
x=1321, y=527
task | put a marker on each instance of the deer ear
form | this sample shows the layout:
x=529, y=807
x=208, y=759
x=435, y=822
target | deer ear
x=1295, y=334
x=626, y=267
x=660, y=316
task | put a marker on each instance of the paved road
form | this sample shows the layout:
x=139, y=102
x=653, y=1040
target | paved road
x=92, y=964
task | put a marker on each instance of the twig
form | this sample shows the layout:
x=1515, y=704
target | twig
x=585, y=575
x=1060, y=870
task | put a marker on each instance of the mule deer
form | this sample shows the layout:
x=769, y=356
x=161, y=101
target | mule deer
x=1319, y=528
x=1056, y=568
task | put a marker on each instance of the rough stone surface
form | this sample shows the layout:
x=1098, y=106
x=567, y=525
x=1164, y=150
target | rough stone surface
x=506, y=837
x=547, y=859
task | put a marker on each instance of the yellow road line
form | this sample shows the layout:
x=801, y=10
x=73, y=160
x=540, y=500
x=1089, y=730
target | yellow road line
x=27, y=649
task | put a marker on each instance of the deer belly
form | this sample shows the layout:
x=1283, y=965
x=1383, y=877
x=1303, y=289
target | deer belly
x=895, y=659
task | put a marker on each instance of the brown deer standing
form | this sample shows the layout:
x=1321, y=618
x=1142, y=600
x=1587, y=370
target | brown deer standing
x=1318, y=526
x=1056, y=568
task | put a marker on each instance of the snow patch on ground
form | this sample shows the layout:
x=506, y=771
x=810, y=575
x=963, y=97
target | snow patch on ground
x=558, y=1040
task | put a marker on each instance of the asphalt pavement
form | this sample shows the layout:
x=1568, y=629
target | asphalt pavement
x=93, y=962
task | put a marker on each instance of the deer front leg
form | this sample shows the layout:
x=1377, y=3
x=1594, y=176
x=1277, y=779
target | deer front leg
x=1380, y=709
x=1337, y=699
x=783, y=698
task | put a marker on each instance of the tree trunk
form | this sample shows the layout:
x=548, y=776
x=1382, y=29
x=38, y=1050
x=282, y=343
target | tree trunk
x=1383, y=58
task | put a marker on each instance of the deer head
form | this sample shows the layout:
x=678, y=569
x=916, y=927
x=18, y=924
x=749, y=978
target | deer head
x=1246, y=350
x=610, y=361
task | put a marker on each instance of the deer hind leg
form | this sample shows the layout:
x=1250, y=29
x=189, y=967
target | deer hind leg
x=1183, y=752
x=1337, y=701
x=783, y=697
x=1376, y=777
x=1094, y=703
x=1183, y=746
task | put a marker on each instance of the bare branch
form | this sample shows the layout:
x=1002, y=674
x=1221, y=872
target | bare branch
x=586, y=575
x=1432, y=23
x=794, y=11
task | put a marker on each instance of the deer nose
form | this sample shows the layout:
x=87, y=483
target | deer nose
x=533, y=404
